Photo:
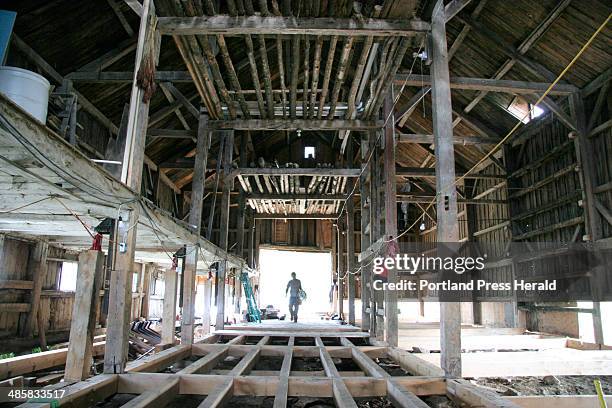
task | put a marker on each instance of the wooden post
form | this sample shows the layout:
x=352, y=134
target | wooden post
x=83, y=325
x=224, y=226
x=146, y=289
x=341, y=268
x=446, y=198
x=376, y=318
x=169, y=312
x=593, y=224
x=120, y=294
x=37, y=264
x=365, y=234
x=195, y=222
x=391, y=310
x=350, y=242
x=207, y=304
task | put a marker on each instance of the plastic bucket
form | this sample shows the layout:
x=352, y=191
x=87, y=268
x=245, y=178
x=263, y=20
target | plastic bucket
x=27, y=89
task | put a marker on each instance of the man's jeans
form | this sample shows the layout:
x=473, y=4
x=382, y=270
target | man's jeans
x=294, y=306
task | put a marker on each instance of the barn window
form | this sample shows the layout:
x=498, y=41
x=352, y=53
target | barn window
x=68, y=276
x=523, y=110
x=309, y=152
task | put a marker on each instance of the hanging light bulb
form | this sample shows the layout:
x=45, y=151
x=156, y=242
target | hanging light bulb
x=422, y=226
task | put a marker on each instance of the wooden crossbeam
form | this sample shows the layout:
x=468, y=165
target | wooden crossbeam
x=429, y=139
x=342, y=172
x=431, y=173
x=489, y=85
x=94, y=76
x=265, y=216
x=250, y=25
x=295, y=124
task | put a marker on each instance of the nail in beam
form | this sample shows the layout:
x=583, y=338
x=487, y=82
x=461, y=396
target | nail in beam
x=224, y=226
x=446, y=205
x=83, y=325
x=120, y=296
x=195, y=223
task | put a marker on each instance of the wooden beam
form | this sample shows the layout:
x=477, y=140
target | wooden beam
x=120, y=297
x=250, y=25
x=446, y=199
x=263, y=216
x=195, y=222
x=84, y=309
x=169, y=310
x=390, y=219
x=294, y=124
x=296, y=196
x=454, y=7
x=224, y=227
x=331, y=172
x=458, y=140
x=430, y=173
x=489, y=85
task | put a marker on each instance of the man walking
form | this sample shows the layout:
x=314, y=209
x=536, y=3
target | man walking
x=293, y=288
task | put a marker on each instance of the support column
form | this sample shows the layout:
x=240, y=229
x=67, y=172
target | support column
x=376, y=318
x=446, y=197
x=365, y=234
x=120, y=293
x=350, y=241
x=207, y=304
x=146, y=289
x=195, y=222
x=341, y=269
x=593, y=224
x=391, y=310
x=169, y=312
x=224, y=225
x=83, y=325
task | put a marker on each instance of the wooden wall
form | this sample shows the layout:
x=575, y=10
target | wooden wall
x=55, y=305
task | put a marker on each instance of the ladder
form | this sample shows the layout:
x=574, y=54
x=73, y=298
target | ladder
x=252, y=309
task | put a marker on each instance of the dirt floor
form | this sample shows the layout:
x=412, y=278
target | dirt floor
x=549, y=385
x=391, y=367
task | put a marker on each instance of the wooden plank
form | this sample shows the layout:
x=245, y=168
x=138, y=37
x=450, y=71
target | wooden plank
x=219, y=396
x=169, y=308
x=15, y=307
x=342, y=396
x=85, y=307
x=243, y=25
x=295, y=124
x=206, y=363
x=157, y=397
x=11, y=367
x=465, y=392
x=16, y=284
x=282, y=391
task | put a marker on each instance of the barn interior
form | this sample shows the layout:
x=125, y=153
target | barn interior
x=165, y=165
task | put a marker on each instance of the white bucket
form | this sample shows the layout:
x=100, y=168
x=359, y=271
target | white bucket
x=27, y=89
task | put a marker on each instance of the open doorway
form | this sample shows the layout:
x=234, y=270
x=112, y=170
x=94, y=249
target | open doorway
x=313, y=269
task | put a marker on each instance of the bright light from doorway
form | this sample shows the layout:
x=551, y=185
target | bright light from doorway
x=312, y=268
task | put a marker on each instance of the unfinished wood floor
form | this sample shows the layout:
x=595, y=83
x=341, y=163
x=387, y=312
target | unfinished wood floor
x=336, y=365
